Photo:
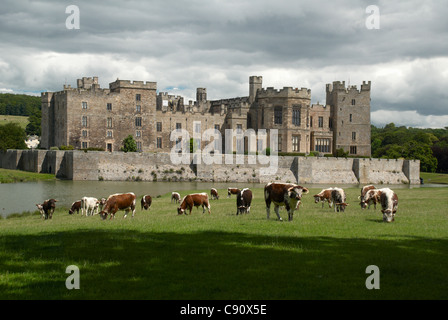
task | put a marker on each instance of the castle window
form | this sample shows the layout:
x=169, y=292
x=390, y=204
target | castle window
x=84, y=145
x=138, y=108
x=321, y=122
x=109, y=134
x=159, y=126
x=295, y=143
x=138, y=122
x=330, y=123
x=159, y=142
x=109, y=107
x=353, y=135
x=239, y=128
x=84, y=121
x=178, y=126
x=353, y=102
x=84, y=133
x=353, y=150
x=322, y=145
x=138, y=134
x=278, y=115
x=351, y=117
x=296, y=117
x=84, y=105
x=109, y=122
x=138, y=97
x=311, y=122
x=139, y=146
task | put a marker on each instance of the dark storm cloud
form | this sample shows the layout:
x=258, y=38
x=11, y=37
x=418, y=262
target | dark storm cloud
x=218, y=44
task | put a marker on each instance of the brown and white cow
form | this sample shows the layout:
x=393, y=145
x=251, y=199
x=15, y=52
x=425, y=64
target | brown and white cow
x=214, y=194
x=364, y=190
x=119, y=201
x=231, y=191
x=339, y=199
x=371, y=196
x=75, y=207
x=47, y=208
x=175, y=196
x=389, y=204
x=194, y=200
x=243, y=201
x=146, y=202
x=89, y=206
x=283, y=194
x=324, y=195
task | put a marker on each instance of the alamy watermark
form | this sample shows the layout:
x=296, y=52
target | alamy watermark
x=373, y=20
x=73, y=20
x=373, y=281
x=72, y=281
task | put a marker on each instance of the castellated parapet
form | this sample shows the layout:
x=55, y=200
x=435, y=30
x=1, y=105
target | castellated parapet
x=89, y=116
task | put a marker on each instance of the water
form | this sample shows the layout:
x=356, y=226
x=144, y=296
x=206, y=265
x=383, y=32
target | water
x=22, y=197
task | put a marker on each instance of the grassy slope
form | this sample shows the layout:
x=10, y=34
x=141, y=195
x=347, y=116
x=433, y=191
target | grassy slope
x=8, y=176
x=429, y=177
x=160, y=255
x=20, y=120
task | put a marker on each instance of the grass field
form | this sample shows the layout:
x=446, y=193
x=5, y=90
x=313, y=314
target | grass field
x=160, y=255
x=8, y=176
x=429, y=177
x=22, y=121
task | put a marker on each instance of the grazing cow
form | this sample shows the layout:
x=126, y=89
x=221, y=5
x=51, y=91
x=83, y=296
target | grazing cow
x=175, y=196
x=243, y=201
x=194, y=200
x=214, y=194
x=283, y=194
x=47, y=208
x=324, y=195
x=371, y=196
x=119, y=201
x=364, y=190
x=338, y=198
x=231, y=191
x=146, y=202
x=102, y=203
x=89, y=206
x=389, y=204
x=75, y=207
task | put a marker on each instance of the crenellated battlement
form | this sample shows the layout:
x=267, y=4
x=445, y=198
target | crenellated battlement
x=289, y=92
x=340, y=86
x=128, y=84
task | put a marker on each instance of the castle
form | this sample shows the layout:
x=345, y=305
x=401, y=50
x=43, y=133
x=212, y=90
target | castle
x=93, y=117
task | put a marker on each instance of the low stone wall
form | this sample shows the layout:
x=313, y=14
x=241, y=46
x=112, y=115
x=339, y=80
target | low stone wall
x=119, y=166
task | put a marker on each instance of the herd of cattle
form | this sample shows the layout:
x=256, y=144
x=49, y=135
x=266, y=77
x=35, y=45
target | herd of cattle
x=280, y=194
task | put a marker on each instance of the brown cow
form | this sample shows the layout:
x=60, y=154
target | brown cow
x=175, y=196
x=283, y=194
x=243, y=201
x=338, y=197
x=364, y=190
x=146, y=202
x=371, y=196
x=231, y=191
x=389, y=204
x=194, y=200
x=324, y=195
x=115, y=202
x=75, y=207
x=47, y=208
x=214, y=194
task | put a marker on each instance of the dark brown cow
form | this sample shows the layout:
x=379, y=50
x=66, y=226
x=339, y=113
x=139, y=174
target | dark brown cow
x=371, y=196
x=47, y=208
x=194, y=200
x=75, y=207
x=146, y=202
x=364, y=190
x=283, y=194
x=214, y=194
x=243, y=201
x=231, y=191
x=389, y=204
x=119, y=201
x=324, y=195
x=338, y=197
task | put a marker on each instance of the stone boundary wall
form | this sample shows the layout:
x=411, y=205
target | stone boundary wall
x=119, y=166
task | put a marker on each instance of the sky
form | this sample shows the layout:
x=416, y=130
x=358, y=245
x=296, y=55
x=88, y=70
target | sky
x=400, y=46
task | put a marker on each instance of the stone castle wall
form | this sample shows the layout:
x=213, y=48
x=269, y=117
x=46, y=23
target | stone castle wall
x=94, y=165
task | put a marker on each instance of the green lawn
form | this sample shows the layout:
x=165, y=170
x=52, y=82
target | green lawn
x=20, y=120
x=8, y=176
x=160, y=255
x=429, y=177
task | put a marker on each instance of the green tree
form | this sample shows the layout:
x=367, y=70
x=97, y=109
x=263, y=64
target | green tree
x=33, y=126
x=129, y=144
x=12, y=136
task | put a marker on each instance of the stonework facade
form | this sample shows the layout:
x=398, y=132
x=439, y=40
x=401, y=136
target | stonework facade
x=92, y=117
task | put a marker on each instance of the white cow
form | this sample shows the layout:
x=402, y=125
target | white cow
x=89, y=205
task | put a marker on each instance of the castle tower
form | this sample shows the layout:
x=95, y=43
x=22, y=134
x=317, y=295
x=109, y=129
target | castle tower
x=255, y=84
x=350, y=116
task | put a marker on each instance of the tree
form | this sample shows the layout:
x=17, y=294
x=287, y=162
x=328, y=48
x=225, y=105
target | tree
x=33, y=126
x=12, y=136
x=129, y=144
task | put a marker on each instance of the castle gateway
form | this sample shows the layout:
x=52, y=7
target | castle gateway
x=91, y=117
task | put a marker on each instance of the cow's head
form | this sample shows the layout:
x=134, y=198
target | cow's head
x=342, y=205
x=316, y=198
x=296, y=192
x=103, y=215
x=388, y=215
x=363, y=204
x=180, y=210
